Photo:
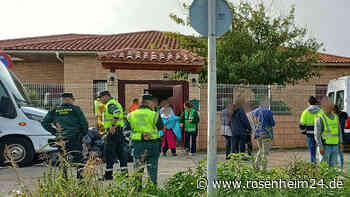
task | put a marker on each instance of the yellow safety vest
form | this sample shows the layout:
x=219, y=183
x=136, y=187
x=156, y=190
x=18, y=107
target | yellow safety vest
x=142, y=121
x=307, y=119
x=330, y=129
x=109, y=117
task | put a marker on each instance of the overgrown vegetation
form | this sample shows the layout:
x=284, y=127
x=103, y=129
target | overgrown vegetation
x=185, y=184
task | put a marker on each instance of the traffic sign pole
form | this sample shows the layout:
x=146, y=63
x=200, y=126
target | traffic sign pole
x=211, y=96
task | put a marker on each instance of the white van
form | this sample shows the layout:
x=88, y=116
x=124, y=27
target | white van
x=21, y=133
x=339, y=92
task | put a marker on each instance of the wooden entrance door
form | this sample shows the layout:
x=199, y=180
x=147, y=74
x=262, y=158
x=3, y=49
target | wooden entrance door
x=177, y=100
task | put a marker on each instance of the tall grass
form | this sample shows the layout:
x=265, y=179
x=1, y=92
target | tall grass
x=184, y=184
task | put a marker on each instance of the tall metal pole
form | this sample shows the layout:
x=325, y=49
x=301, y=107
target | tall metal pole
x=211, y=96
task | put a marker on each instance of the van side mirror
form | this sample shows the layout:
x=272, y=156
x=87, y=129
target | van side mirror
x=7, y=108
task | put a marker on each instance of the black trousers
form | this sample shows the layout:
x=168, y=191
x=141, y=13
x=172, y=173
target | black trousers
x=72, y=151
x=193, y=137
x=228, y=145
x=114, y=149
x=238, y=144
x=248, y=142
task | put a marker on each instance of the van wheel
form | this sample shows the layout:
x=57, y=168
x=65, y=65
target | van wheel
x=18, y=150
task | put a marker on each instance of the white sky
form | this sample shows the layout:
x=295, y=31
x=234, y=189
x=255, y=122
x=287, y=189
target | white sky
x=327, y=20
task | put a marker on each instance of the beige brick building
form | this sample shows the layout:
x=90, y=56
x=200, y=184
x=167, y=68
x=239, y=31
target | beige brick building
x=144, y=61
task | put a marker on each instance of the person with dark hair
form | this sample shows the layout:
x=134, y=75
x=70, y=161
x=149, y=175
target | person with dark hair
x=342, y=116
x=114, y=141
x=71, y=126
x=306, y=125
x=146, y=124
x=189, y=121
x=134, y=106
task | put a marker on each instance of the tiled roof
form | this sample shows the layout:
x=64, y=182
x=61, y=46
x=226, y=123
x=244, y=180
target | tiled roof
x=100, y=43
x=78, y=42
x=40, y=39
x=152, y=56
x=327, y=58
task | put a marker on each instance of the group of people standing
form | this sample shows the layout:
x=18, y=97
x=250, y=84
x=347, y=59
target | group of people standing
x=155, y=129
x=324, y=127
x=174, y=125
x=239, y=124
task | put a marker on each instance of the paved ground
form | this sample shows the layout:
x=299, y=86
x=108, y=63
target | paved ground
x=167, y=166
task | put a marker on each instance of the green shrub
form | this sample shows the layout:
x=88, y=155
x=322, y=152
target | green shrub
x=184, y=184
x=277, y=107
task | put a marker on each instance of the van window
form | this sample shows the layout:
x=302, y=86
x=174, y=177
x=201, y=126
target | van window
x=331, y=96
x=6, y=106
x=340, y=99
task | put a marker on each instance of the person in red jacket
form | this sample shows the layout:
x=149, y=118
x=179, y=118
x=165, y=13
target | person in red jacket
x=134, y=106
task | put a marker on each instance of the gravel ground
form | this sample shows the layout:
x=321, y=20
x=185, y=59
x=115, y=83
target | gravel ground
x=168, y=166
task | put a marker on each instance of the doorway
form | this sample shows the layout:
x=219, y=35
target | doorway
x=177, y=92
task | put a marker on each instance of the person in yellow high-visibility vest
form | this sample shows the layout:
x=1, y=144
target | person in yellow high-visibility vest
x=114, y=141
x=328, y=133
x=99, y=110
x=145, y=125
x=307, y=125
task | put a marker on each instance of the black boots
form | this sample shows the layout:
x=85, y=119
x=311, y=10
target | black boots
x=79, y=173
x=108, y=175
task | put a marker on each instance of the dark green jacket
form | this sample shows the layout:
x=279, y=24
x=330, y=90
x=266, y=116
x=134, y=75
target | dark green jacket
x=71, y=119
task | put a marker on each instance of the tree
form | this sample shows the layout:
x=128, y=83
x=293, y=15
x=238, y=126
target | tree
x=259, y=49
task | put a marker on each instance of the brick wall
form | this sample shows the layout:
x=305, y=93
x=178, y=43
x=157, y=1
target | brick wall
x=78, y=73
x=81, y=71
x=39, y=72
x=287, y=126
x=133, y=91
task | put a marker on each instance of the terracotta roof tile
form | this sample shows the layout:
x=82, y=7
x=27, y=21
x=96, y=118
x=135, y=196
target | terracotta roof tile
x=328, y=58
x=101, y=43
x=78, y=42
x=152, y=56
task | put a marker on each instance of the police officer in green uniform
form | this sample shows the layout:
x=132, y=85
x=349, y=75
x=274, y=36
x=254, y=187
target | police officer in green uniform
x=71, y=125
x=146, y=124
x=114, y=141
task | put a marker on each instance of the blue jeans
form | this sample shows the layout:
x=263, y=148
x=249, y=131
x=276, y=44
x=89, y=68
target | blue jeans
x=341, y=157
x=312, y=146
x=331, y=155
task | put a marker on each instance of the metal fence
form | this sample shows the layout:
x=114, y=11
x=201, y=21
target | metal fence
x=286, y=102
x=47, y=96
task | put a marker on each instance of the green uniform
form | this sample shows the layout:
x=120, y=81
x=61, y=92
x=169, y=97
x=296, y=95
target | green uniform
x=74, y=125
x=144, y=120
x=114, y=143
x=191, y=129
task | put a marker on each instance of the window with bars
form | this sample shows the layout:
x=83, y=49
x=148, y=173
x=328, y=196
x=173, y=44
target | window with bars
x=98, y=86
